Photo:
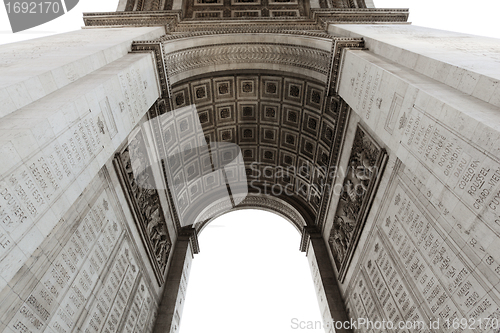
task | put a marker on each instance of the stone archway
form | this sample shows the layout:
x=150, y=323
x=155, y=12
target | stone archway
x=83, y=247
x=286, y=127
x=261, y=202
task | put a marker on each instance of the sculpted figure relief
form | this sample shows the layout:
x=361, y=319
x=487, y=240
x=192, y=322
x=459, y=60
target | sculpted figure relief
x=146, y=202
x=362, y=172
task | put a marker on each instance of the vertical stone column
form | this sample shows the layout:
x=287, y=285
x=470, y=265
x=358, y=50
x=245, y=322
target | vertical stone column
x=174, y=294
x=326, y=285
x=432, y=232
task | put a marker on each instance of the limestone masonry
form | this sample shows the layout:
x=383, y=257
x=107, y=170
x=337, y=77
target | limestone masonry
x=378, y=140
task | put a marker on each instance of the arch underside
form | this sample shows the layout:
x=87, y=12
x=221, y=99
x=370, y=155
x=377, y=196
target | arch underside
x=252, y=201
x=286, y=128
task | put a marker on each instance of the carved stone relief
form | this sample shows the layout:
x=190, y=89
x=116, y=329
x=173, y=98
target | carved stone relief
x=145, y=202
x=364, y=170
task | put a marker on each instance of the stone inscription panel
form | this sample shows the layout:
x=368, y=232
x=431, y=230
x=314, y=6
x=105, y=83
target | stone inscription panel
x=133, y=88
x=50, y=156
x=94, y=283
x=465, y=169
x=451, y=167
x=416, y=270
x=31, y=188
x=463, y=184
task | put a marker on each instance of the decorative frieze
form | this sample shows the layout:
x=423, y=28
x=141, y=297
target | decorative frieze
x=365, y=167
x=325, y=16
x=138, y=183
x=214, y=55
x=250, y=28
x=168, y=19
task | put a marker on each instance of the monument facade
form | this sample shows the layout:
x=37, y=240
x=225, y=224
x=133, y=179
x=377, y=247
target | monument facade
x=376, y=139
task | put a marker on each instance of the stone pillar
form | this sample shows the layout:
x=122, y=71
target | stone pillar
x=36, y=68
x=466, y=63
x=325, y=282
x=69, y=103
x=174, y=294
x=55, y=146
x=430, y=249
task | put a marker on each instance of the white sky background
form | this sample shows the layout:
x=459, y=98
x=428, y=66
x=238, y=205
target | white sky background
x=479, y=17
x=249, y=277
x=250, y=273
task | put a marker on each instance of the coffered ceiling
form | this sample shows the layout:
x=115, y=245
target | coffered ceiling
x=283, y=125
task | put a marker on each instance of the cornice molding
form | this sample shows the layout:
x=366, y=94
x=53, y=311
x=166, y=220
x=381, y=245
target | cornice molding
x=174, y=22
x=157, y=48
x=190, y=234
x=339, y=44
x=307, y=233
x=260, y=25
x=325, y=16
x=285, y=54
x=168, y=19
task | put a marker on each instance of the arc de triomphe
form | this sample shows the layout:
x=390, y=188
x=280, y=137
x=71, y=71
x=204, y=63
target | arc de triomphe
x=378, y=140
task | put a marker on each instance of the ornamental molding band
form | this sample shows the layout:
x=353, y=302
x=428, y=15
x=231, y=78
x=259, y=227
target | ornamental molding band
x=157, y=49
x=252, y=201
x=225, y=54
x=245, y=20
x=365, y=168
x=168, y=19
x=268, y=25
x=247, y=29
x=325, y=16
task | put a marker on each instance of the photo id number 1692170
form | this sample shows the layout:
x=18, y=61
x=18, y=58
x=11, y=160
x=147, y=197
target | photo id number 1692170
x=33, y=7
